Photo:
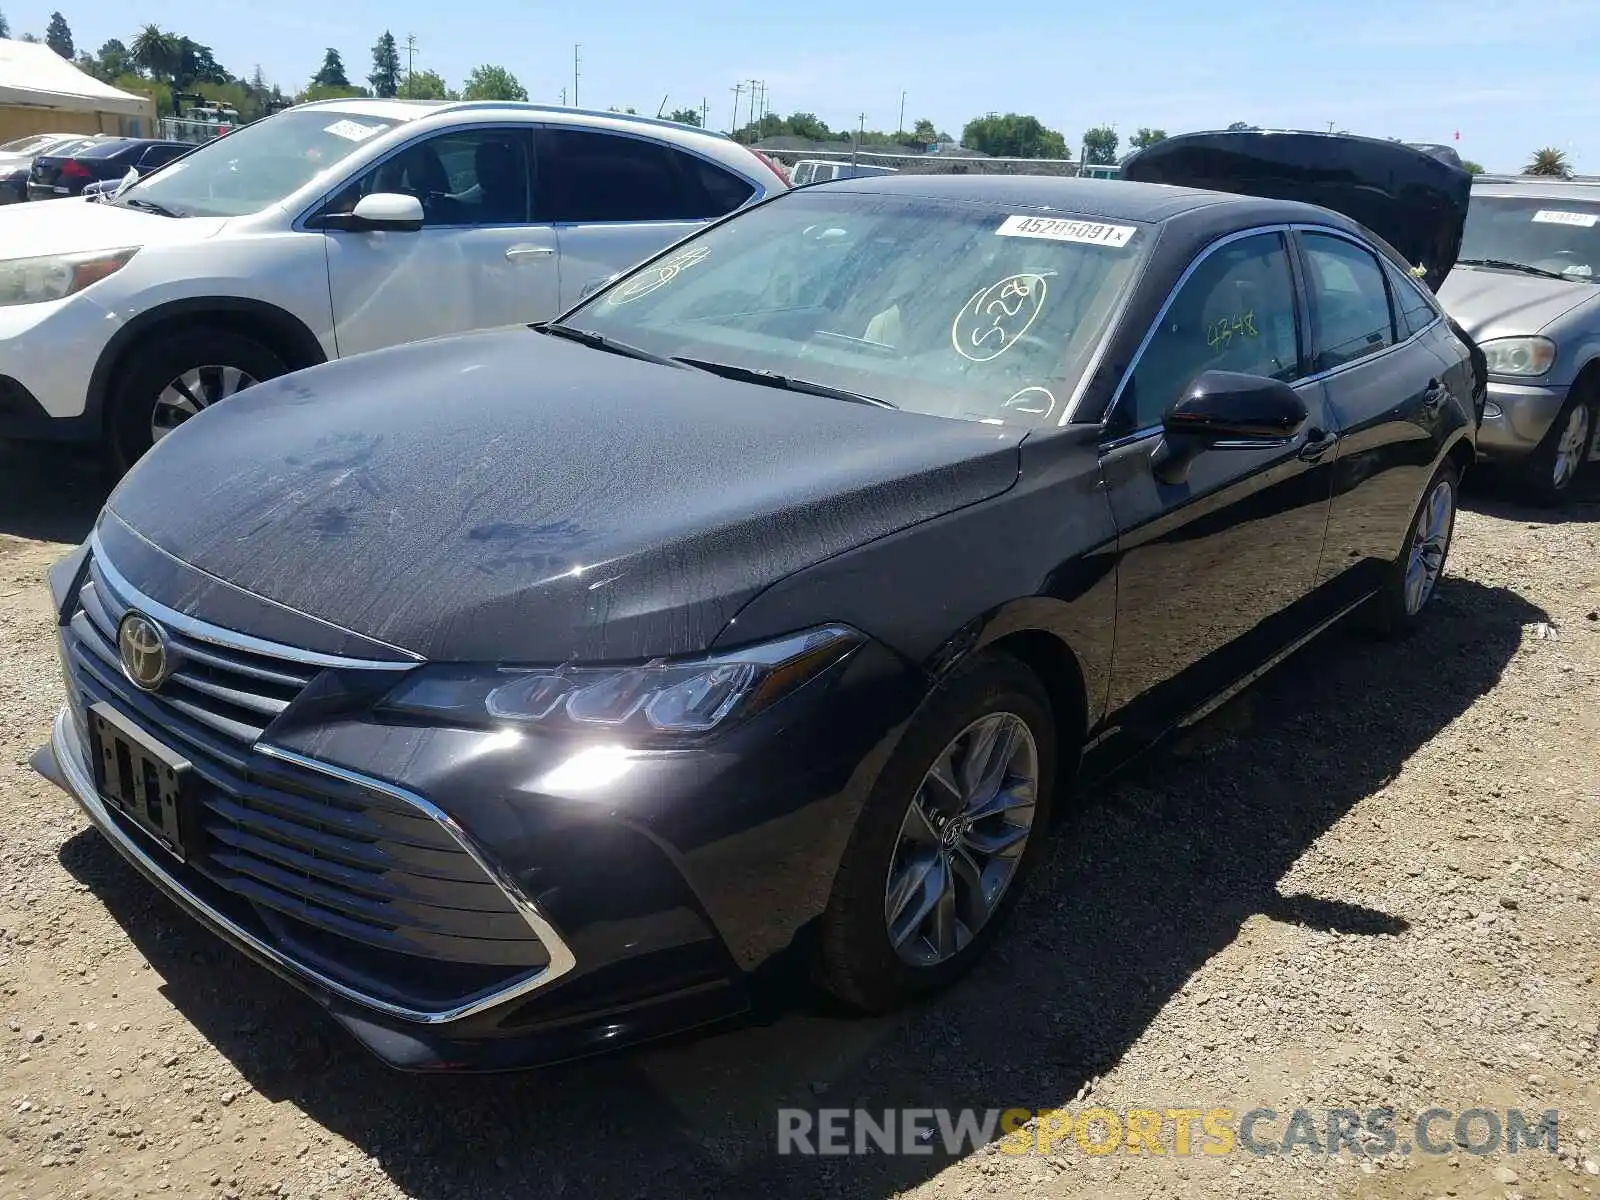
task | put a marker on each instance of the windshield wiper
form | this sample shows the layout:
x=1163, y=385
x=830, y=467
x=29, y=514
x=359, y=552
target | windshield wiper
x=597, y=341
x=143, y=205
x=786, y=382
x=1507, y=265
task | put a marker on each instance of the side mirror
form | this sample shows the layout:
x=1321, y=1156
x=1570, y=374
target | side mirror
x=1226, y=409
x=380, y=211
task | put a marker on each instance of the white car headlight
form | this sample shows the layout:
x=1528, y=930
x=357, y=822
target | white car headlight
x=1519, y=355
x=57, y=276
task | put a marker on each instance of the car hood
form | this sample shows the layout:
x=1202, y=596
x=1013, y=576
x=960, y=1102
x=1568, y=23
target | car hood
x=1412, y=199
x=507, y=497
x=1490, y=304
x=69, y=226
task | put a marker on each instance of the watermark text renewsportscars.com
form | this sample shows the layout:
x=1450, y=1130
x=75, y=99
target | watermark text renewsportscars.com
x=1165, y=1131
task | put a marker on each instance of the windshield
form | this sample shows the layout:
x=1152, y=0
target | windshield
x=256, y=166
x=1558, y=236
x=958, y=310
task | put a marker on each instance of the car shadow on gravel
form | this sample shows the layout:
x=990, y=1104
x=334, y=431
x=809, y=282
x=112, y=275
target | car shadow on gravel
x=1139, y=889
x=1494, y=495
x=49, y=493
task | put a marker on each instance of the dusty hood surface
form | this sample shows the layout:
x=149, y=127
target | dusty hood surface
x=1490, y=303
x=505, y=496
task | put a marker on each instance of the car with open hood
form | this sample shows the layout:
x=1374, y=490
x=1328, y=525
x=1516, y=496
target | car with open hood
x=1527, y=287
x=530, y=693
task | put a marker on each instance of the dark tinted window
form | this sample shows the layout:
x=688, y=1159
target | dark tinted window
x=157, y=156
x=1235, y=313
x=724, y=190
x=471, y=177
x=1413, y=311
x=1350, y=315
x=588, y=176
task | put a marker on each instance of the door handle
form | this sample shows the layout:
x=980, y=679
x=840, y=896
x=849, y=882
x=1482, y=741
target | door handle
x=523, y=253
x=1434, y=396
x=1318, y=443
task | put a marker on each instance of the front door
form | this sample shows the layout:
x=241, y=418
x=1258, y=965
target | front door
x=1211, y=570
x=479, y=260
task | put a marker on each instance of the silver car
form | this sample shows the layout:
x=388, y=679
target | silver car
x=1526, y=286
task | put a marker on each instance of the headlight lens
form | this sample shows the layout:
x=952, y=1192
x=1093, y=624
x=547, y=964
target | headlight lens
x=661, y=697
x=1519, y=355
x=57, y=276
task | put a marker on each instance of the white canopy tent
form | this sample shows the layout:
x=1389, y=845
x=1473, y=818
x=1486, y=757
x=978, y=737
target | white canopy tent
x=35, y=80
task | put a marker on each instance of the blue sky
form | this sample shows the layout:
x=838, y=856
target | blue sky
x=1509, y=80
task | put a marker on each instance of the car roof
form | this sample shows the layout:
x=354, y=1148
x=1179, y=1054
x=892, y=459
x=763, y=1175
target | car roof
x=1109, y=198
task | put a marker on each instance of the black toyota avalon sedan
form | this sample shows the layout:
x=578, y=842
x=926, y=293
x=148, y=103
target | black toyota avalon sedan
x=522, y=694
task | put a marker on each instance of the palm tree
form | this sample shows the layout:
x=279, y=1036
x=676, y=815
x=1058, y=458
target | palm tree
x=157, y=51
x=1549, y=161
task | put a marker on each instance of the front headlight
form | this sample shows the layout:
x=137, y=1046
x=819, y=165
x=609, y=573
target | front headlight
x=57, y=276
x=664, y=696
x=1519, y=355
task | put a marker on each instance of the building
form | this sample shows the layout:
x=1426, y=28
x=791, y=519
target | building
x=41, y=92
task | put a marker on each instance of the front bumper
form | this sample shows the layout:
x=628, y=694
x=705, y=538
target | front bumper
x=660, y=899
x=1517, y=418
x=48, y=354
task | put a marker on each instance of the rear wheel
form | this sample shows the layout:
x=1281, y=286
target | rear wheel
x=942, y=844
x=175, y=378
x=1553, y=468
x=1415, y=573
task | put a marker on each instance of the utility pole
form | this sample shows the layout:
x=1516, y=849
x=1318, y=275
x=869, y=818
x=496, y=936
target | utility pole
x=738, y=90
x=411, y=55
x=575, y=46
x=901, y=128
x=563, y=97
x=860, y=133
x=705, y=111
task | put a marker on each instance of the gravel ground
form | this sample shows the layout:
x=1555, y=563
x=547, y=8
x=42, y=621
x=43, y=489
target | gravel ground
x=1374, y=879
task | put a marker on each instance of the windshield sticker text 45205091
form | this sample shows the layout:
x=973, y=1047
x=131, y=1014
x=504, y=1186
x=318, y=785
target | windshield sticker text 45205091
x=1093, y=233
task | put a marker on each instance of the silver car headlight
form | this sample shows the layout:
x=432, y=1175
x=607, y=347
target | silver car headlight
x=57, y=276
x=1519, y=355
x=664, y=696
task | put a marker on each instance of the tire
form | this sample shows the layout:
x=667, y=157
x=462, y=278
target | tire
x=1394, y=612
x=134, y=410
x=859, y=962
x=1550, y=471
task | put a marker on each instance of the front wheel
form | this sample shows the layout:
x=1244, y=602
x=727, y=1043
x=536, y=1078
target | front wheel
x=1415, y=573
x=176, y=377
x=942, y=844
x=1553, y=467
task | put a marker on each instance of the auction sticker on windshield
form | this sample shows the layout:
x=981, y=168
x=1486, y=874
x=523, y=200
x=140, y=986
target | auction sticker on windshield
x=1555, y=216
x=353, y=130
x=1095, y=233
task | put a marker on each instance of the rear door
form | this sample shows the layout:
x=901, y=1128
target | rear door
x=1212, y=572
x=1393, y=399
x=479, y=261
x=617, y=198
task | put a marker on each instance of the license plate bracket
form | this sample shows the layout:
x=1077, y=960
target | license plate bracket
x=147, y=782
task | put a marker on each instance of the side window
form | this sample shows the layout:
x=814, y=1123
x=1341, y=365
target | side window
x=1350, y=315
x=723, y=190
x=589, y=176
x=1413, y=310
x=158, y=156
x=1234, y=313
x=469, y=177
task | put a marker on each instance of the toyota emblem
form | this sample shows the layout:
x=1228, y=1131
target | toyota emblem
x=143, y=648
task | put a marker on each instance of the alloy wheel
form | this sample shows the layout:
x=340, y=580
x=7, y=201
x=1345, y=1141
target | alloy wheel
x=195, y=389
x=962, y=839
x=1572, y=447
x=1429, y=545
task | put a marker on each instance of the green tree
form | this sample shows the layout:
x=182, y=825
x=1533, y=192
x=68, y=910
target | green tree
x=807, y=125
x=385, y=77
x=1013, y=136
x=196, y=64
x=5, y=26
x=1471, y=167
x=156, y=53
x=492, y=83
x=1239, y=125
x=1146, y=137
x=329, y=91
x=58, y=36
x=427, y=85
x=113, y=60
x=30, y=37
x=1549, y=162
x=331, y=73
x=1100, y=146
x=685, y=116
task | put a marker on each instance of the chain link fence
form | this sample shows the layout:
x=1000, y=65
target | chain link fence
x=940, y=164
